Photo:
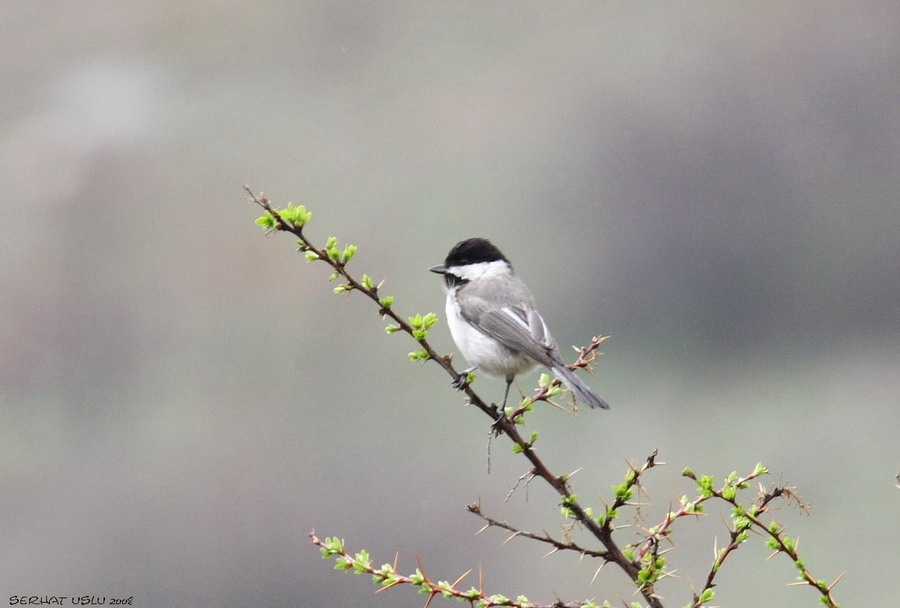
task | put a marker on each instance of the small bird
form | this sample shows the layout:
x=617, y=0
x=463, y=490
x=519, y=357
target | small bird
x=494, y=322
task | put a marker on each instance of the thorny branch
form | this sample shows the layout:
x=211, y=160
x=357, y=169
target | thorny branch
x=642, y=564
x=503, y=424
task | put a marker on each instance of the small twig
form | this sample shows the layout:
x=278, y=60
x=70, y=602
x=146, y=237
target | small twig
x=529, y=475
x=558, y=545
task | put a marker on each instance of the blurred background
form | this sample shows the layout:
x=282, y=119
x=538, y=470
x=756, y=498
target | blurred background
x=183, y=399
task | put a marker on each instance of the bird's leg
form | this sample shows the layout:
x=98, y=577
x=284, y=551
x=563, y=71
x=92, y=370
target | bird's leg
x=509, y=380
x=495, y=428
x=462, y=380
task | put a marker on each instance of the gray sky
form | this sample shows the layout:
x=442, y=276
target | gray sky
x=713, y=184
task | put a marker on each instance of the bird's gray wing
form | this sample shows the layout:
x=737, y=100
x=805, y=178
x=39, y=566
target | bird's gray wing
x=511, y=319
x=517, y=326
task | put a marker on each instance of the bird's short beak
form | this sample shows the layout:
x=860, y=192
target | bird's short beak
x=440, y=269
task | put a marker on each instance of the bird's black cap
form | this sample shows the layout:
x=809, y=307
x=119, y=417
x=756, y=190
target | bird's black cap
x=473, y=251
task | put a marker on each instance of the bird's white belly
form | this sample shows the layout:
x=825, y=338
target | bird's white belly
x=482, y=351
